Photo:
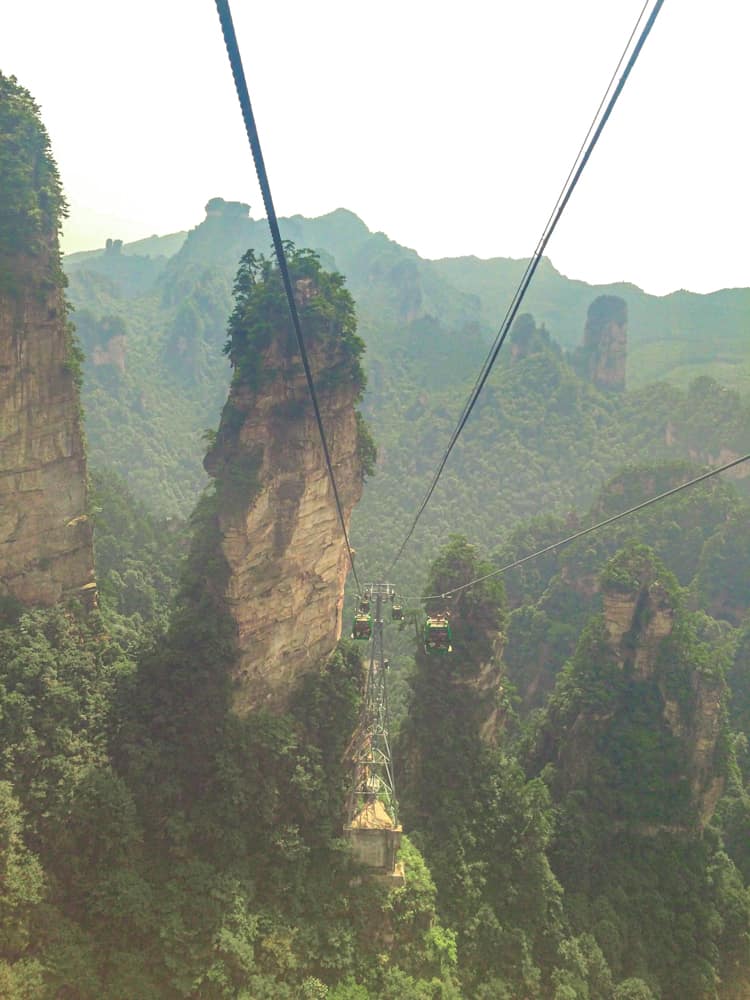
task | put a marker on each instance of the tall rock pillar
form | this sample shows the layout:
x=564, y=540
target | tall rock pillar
x=46, y=549
x=605, y=342
x=280, y=532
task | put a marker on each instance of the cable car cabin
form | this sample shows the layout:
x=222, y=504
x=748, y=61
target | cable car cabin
x=362, y=627
x=397, y=613
x=437, y=636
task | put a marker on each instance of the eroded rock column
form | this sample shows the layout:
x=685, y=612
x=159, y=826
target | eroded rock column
x=280, y=531
x=45, y=537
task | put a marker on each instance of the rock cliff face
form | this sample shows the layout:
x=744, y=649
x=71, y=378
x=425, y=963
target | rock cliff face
x=649, y=718
x=721, y=457
x=279, y=527
x=45, y=537
x=527, y=339
x=488, y=687
x=637, y=623
x=605, y=342
x=112, y=353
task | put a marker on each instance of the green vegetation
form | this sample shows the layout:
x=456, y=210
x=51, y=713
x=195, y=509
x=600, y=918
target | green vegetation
x=549, y=880
x=588, y=875
x=542, y=437
x=467, y=804
x=156, y=845
x=573, y=776
x=261, y=313
x=32, y=204
x=367, y=450
x=138, y=557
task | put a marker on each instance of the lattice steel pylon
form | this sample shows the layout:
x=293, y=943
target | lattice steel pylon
x=369, y=752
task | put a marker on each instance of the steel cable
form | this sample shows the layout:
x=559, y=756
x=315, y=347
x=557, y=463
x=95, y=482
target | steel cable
x=562, y=201
x=587, y=531
x=235, y=60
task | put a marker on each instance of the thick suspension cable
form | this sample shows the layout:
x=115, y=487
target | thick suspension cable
x=551, y=217
x=582, y=159
x=235, y=60
x=587, y=531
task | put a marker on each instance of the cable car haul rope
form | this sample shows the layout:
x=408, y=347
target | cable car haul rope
x=235, y=60
x=437, y=635
x=582, y=158
x=369, y=754
x=587, y=531
x=362, y=626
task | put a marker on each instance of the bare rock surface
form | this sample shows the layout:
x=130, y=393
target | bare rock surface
x=45, y=536
x=605, y=342
x=279, y=526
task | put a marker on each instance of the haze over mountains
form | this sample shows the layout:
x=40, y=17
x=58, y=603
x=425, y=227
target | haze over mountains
x=191, y=765
x=675, y=337
x=152, y=319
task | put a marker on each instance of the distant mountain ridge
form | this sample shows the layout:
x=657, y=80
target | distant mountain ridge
x=674, y=337
x=542, y=439
x=149, y=246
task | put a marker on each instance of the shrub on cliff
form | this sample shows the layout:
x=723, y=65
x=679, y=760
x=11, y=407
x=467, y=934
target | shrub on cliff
x=261, y=316
x=32, y=204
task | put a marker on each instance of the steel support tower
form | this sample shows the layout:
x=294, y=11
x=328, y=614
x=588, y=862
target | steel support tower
x=369, y=752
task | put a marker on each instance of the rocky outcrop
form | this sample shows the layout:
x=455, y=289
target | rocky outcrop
x=218, y=207
x=489, y=688
x=104, y=339
x=722, y=456
x=605, y=343
x=637, y=622
x=648, y=613
x=649, y=716
x=112, y=353
x=526, y=338
x=708, y=425
x=280, y=532
x=45, y=537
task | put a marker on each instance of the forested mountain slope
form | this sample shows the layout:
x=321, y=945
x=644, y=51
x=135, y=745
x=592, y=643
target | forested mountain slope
x=542, y=438
x=580, y=854
x=160, y=840
x=673, y=337
x=46, y=549
x=700, y=534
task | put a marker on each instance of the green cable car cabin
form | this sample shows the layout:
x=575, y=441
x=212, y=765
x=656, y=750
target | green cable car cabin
x=437, y=635
x=362, y=626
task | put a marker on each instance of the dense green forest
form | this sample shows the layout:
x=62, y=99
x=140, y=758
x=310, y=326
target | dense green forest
x=573, y=777
x=542, y=439
x=158, y=846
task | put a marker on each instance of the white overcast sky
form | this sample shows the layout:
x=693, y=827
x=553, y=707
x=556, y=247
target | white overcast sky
x=450, y=126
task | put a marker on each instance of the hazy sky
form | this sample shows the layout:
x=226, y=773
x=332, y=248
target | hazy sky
x=449, y=126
